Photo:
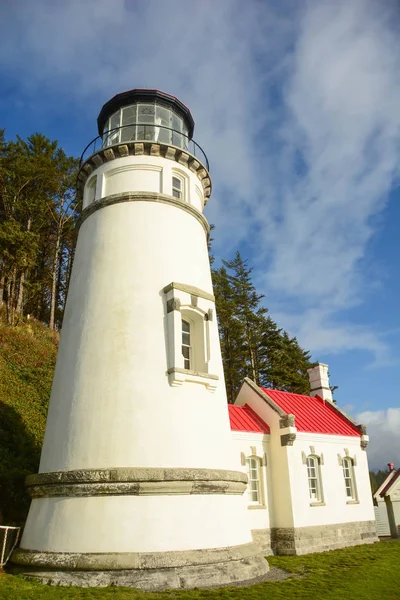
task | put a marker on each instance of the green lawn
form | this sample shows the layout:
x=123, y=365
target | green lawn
x=369, y=572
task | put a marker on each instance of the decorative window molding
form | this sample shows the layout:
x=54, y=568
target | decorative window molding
x=315, y=490
x=90, y=191
x=188, y=336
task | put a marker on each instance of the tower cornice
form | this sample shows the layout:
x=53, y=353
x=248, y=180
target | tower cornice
x=159, y=149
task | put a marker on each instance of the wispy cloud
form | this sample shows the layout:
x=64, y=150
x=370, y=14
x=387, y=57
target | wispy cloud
x=296, y=105
x=383, y=430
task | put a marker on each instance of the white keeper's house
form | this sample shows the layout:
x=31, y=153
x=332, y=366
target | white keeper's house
x=306, y=460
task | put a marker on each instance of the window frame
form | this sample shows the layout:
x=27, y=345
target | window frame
x=180, y=190
x=317, y=497
x=257, y=481
x=189, y=346
x=348, y=465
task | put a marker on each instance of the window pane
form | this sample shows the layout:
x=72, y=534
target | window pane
x=163, y=116
x=185, y=137
x=176, y=183
x=186, y=364
x=129, y=115
x=186, y=338
x=177, y=139
x=185, y=326
x=115, y=120
x=163, y=135
x=146, y=113
x=128, y=134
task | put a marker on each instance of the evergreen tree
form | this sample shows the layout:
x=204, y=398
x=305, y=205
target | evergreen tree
x=231, y=333
x=37, y=202
x=252, y=344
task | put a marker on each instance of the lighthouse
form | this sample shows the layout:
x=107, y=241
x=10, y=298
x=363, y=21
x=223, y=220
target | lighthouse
x=138, y=483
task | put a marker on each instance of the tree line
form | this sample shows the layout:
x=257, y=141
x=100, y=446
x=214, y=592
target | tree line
x=38, y=214
x=38, y=230
x=252, y=344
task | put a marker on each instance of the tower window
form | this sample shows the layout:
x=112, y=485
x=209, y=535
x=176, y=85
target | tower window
x=177, y=187
x=186, y=345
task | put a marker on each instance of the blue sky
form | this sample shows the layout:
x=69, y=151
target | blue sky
x=297, y=107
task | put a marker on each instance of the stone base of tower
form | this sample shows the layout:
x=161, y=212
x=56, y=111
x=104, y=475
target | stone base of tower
x=150, y=571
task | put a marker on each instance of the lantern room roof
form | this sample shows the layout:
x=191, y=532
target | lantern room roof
x=144, y=95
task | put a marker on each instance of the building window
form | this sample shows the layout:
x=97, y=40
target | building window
x=177, y=187
x=186, y=345
x=314, y=479
x=348, y=474
x=253, y=488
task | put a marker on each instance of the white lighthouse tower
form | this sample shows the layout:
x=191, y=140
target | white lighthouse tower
x=137, y=483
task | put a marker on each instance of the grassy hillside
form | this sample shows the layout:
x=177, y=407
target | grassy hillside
x=27, y=360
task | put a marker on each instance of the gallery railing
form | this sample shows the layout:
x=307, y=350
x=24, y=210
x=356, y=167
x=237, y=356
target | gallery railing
x=139, y=132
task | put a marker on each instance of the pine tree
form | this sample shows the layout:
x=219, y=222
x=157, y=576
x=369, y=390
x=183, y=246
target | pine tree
x=231, y=333
x=37, y=201
x=251, y=342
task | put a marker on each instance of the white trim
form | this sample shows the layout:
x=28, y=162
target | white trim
x=250, y=436
x=321, y=437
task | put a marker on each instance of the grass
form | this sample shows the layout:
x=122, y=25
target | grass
x=367, y=572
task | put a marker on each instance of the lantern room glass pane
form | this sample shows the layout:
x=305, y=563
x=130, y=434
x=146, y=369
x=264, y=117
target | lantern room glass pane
x=177, y=127
x=115, y=120
x=129, y=115
x=146, y=113
x=128, y=134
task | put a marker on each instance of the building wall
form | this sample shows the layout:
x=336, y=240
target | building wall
x=297, y=524
x=245, y=445
x=335, y=507
x=282, y=515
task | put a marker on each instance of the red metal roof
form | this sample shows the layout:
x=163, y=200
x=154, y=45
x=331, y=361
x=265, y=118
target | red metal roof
x=243, y=418
x=312, y=414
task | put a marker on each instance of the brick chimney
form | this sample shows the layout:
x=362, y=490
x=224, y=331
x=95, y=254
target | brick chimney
x=319, y=382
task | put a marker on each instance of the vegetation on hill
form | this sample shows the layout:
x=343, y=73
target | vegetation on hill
x=27, y=359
